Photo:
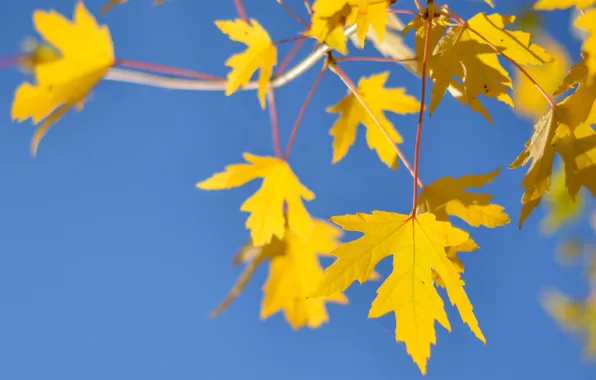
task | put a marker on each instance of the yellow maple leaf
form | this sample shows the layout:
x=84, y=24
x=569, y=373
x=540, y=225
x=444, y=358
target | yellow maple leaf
x=576, y=316
x=565, y=130
x=490, y=3
x=418, y=247
x=528, y=100
x=260, y=53
x=371, y=13
x=418, y=24
x=562, y=4
x=328, y=21
x=352, y=113
x=111, y=3
x=330, y=17
x=449, y=196
x=266, y=206
x=462, y=55
x=587, y=22
x=87, y=54
x=294, y=271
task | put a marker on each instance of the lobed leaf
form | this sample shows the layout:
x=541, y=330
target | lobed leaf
x=266, y=207
x=260, y=54
x=418, y=247
x=294, y=271
x=352, y=113
x=86, y=54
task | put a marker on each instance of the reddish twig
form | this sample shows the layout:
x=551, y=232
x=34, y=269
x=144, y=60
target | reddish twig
x=297, y=38
x=403, y=11
x=274, y=123
x=308, y=7
x=288, y=58
x=373, y=59
x=293, y=14
x=165, y=69
x=418, y=5
x=240, y=10
x=420, y=116
x=9, y=61
x=352, y=87
x=302, y=110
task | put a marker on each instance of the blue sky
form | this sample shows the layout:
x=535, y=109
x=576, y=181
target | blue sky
x=111, y=259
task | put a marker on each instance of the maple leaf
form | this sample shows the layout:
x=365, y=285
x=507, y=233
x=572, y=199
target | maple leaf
x=266, y=206
x=371, y=13
x=418, y=247
x=111, y=3
x=462, y=55
x=328, y=21
x=352, y=113
x=562, y=4
x=331, y=16
x=449, y=196
x=294, y=271
x=528, y=100
x=578, y=317
x=565, y=130
x=418, y=24
x=86, y=54
x=490, y=3
x=260, y=53
x=587, y=22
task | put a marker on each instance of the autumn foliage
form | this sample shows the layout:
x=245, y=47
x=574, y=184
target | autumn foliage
x=453, y=57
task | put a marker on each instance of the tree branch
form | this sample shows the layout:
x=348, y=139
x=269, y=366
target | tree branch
x=170, y=83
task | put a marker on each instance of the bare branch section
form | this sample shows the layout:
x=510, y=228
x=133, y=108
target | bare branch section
x=154, y=80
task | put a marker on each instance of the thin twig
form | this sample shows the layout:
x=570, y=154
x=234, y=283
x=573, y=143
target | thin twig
x=403, y=11
x=274, y=123
x=240, y=10
x=352, y=87
x=136, y=77
x=421, y=116
x=308, y=7
x=10, y=61
x=293, y=14
x=165, y=69
x=373, y=59
x=288, y=58
x=418, y=5
x=302, y=110
x=285, y=40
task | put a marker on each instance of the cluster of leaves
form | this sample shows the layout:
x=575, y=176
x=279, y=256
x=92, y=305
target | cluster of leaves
x=462, y=57
x=576, y=315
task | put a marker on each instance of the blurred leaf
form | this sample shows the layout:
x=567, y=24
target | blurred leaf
x=569, y=250
x=576, y=316
x=592, y=269
x=561, y=207
x=529, y=20
x=526, y=97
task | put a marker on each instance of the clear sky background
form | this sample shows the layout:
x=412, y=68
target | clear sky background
x=111, y=259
